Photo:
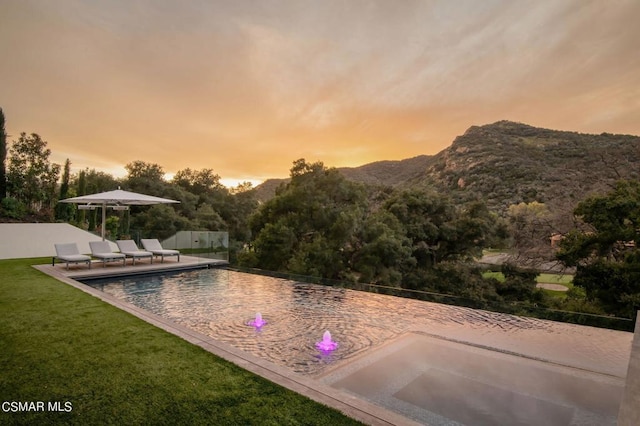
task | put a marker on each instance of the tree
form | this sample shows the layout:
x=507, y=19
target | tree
x=242, y=188
x=159, y=220
x=188, y=202
x=91, y=181
x=307, y=227
x=208, y=219
x=324, y=225
x=381, y=251
x=438, y=230
x=606, y=253
x=206, y=186
x=198, y=182
x=519, y=284
x=111, y=226
x=3, y=158
x=31, y=178
x=94, y=181
x=242, y=204
x=64, y=210
x=82, y=190
x=147, y=178
x=424, y=217
x=531, y=229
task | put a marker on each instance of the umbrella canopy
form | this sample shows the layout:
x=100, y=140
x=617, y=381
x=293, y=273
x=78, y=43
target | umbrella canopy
x=116, y=198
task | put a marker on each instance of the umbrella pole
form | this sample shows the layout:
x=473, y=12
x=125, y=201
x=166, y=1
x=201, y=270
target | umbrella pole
x=104, y=217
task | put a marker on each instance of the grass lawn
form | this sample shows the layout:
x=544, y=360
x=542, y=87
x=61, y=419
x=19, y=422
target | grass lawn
x=563, y=279
x=58, y=344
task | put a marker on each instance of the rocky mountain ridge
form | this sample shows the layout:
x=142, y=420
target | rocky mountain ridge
x=507, y=163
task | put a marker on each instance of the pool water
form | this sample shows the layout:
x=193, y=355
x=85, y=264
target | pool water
x=460, y=348
x=220, y=303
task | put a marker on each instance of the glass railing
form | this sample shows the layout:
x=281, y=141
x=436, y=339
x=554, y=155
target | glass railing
x=201, y=244
x=514, y=308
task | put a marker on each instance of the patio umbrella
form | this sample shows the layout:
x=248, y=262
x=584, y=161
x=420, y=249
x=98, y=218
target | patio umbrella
x=117, y=199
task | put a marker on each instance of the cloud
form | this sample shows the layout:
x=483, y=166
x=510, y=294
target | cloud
x=245, y=88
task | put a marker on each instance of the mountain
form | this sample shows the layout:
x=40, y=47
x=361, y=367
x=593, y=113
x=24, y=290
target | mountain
x=388, y=172
x=392, y=173
x=508, y=163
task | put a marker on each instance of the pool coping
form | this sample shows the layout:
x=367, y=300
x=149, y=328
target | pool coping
x=346, y=403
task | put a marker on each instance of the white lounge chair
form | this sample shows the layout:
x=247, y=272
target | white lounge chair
x=130, y=249
x=154, y=246
x=102, y=250
x=69, y=253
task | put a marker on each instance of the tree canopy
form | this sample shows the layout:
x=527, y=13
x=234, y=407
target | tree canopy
x=306, y=227
x=31, y=178
x=605, y=250
x=324, y=225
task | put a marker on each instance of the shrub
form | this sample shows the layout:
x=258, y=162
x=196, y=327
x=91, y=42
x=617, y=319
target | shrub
x=12, y=208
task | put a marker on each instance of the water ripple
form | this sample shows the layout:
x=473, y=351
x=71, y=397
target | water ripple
x=220, y=303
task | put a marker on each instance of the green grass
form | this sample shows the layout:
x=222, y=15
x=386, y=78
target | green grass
x=564, y=279
x=60, y=344
x=492, y=274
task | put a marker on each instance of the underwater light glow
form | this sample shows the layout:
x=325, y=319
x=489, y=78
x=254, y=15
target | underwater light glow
x=257, y=322
x=327, y=345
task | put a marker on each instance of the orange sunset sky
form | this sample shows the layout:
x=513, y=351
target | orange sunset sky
x=247, y=87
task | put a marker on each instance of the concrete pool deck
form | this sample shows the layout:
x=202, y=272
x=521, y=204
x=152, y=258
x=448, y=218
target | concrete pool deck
x=113, y=269
x=390, y=377
x=629, y=414
x=438, y=381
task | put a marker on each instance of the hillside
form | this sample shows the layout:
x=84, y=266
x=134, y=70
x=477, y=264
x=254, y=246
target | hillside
x=507, y=163
x=392, y=173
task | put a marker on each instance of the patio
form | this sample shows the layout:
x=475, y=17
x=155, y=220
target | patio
x=114, y=269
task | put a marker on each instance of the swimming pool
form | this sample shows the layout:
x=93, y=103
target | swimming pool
x=437, y=364
x=220, y=303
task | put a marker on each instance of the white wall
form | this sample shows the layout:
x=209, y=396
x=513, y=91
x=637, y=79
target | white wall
x=23, y=240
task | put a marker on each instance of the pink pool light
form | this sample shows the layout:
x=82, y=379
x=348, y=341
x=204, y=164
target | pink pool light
x=326, y=345
x=257, y=322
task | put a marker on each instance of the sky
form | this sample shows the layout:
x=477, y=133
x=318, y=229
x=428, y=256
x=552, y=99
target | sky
x=247, y=87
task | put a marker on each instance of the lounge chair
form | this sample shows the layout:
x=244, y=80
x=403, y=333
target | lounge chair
x=102, y=250
x=130, y=249
x=69, y=253
x=153, y=245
